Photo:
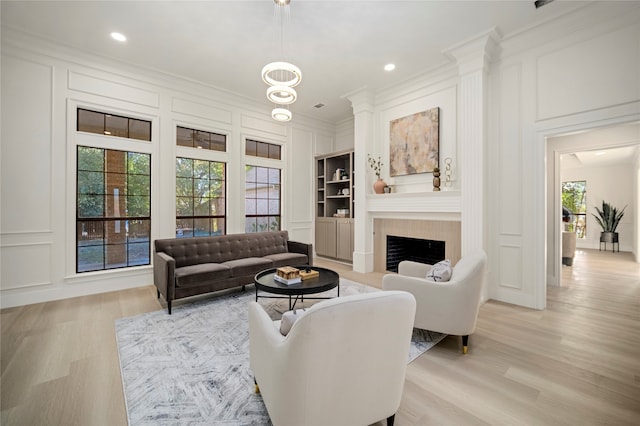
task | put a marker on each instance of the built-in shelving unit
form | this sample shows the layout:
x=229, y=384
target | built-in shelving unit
x=335, y=205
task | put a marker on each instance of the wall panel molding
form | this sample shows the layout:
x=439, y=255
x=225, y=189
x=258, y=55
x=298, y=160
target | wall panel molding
x=111, y=89
x=27, y=138
x=196, y=109
x=510, y=266
x=510, y=154
x=26, y=265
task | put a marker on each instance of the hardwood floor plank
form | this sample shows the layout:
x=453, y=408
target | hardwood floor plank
x=574, y=363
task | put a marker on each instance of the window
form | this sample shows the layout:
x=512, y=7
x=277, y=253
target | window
x=113, y=125
x=200, y=139
x=574, y=199
x=262, y=149
x=113, y=214
x=200, y=197
x=262, y=199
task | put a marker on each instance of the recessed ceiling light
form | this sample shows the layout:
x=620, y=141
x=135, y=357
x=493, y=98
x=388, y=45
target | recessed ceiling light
x=118, y=36
x=390, y=67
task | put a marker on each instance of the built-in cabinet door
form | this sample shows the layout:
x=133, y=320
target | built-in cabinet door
x=345, y=239
x=326, y=237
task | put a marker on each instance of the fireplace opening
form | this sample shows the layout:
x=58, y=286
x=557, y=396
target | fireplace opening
x=415, y=249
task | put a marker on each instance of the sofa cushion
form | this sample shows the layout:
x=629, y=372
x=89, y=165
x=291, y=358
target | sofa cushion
x=287, y=259
x=248, y=266
x=440, y=272
x=195, y=275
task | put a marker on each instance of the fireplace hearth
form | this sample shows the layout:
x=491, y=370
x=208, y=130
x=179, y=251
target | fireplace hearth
x=415, y=249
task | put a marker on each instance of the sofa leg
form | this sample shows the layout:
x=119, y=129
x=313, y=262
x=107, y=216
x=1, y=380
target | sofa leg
x=391, y=419
x=243, y=288
x=157, y=290
x=465, y=344
x=169, y=306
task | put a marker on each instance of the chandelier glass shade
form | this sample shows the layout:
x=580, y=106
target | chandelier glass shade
x=281, y=76
x=281, y=114
x=281, y=95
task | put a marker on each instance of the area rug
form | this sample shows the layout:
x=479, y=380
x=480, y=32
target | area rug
x=192, y=367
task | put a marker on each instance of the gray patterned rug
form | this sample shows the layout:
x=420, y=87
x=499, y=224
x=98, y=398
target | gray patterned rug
x=192, y=367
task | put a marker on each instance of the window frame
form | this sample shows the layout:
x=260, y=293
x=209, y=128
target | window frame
x=573, y=225
x=268, y=163
x=106, y=116
x=195, y=217
x=105, y=219
x=77, y=138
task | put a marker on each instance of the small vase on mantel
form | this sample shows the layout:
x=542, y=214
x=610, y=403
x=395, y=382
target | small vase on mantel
x=378, y=186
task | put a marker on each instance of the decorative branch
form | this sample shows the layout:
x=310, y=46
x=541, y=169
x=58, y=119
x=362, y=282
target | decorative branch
x=376, y=165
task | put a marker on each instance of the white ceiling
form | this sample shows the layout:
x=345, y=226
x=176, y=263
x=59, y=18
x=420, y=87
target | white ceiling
x=607, y=157
x=608, y=146
x=340, y=45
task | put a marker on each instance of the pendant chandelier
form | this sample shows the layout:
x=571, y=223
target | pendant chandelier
x=281, y=76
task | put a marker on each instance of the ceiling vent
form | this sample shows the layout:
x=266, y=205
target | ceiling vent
x=318, y=106
x=540, y=3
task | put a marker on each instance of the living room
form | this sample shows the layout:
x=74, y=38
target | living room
x=501, y=96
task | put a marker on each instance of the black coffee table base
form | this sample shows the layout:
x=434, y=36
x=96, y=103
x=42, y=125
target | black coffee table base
x=326, y=280
x=294, y=299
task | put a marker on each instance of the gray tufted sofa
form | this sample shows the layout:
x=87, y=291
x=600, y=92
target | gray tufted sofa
x=184, y=267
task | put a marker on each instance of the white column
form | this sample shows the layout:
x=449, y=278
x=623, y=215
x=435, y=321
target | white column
x=472, y=57
x=362, y=102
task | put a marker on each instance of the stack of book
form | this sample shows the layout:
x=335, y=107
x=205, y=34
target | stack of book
x=287, y=275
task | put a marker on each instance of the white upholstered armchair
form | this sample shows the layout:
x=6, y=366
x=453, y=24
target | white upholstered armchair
x=445, y=307
x=342, y=363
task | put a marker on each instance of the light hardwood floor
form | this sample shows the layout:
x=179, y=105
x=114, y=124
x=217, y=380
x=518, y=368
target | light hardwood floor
x=576, y=363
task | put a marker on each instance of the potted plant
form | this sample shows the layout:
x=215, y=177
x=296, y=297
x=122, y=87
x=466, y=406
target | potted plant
x=608, y=218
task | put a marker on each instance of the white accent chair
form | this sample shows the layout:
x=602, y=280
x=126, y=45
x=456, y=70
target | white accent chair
x=342, y=363
x=446, y=307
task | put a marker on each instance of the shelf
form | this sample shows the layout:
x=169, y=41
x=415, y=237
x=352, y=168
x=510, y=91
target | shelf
x=337, y=196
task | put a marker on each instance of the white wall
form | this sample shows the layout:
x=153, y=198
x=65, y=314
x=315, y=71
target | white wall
x=570, y=74
x=635, y=170
x=613, y=184
x=43, y=84
x=344, y=136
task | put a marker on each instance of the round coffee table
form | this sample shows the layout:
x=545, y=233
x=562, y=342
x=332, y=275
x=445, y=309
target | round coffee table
x=326, y=280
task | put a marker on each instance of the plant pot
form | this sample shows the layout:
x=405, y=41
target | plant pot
x=608, y=237
x=378, y=186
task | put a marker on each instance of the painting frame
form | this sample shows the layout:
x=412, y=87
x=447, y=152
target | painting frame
x=414, y=143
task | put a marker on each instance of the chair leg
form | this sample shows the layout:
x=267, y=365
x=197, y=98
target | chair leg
x=390, y=420
x=465, y=344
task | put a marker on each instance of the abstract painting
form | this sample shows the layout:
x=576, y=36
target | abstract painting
x=414, y=143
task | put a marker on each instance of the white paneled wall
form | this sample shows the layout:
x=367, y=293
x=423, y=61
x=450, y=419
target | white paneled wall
x=43, y=84
x=570, y=74
x=568, y=82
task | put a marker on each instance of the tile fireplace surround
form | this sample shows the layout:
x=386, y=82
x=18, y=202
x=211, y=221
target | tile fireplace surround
x=440, y=230
x=426, y=215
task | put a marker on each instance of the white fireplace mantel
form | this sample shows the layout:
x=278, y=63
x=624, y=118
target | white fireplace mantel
x=445, y=203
